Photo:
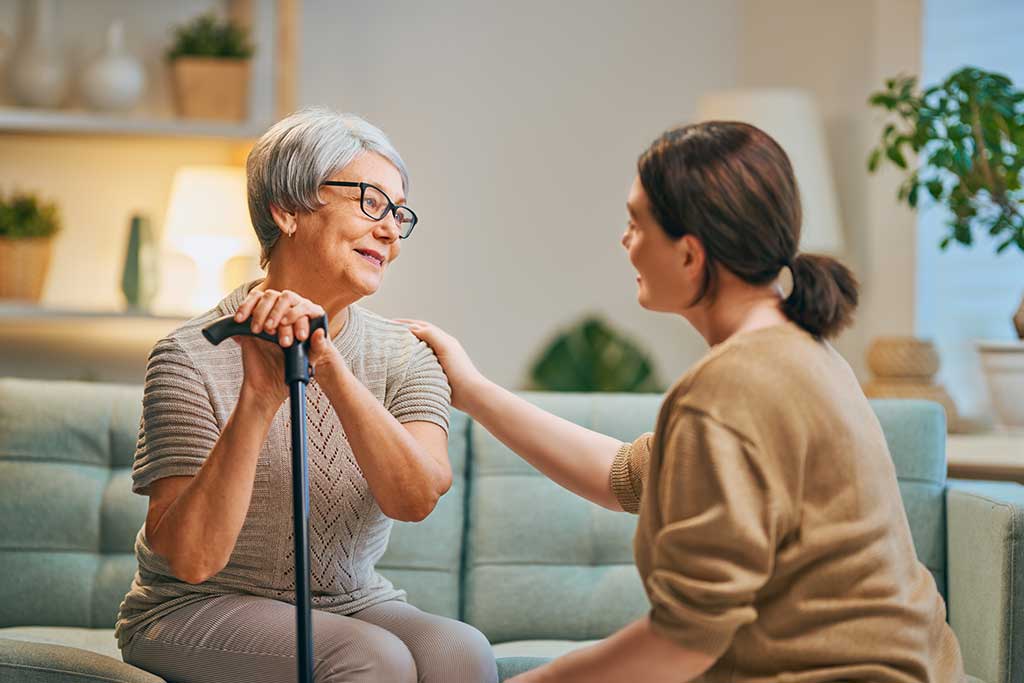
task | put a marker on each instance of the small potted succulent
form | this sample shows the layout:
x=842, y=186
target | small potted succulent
x=27, y=227
x=968, y=135
x=591, y=356
x=210, y=65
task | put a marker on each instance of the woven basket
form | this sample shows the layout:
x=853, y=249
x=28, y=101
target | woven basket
x=903, y=357
x=23, y=266
x=914, y=389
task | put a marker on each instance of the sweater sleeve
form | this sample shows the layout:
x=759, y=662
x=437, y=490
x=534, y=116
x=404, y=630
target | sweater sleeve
x=629, y=469
x=715, y=537
x=178, y=427
x=423, y=393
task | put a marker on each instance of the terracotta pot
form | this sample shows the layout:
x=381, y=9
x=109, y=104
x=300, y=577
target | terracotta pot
x=1003, y=363
x=211, y=88
x=23, y=267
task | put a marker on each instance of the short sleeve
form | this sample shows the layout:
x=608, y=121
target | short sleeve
x=713, y=547
x=629, y=469
x=422, y=394
x=178, y=428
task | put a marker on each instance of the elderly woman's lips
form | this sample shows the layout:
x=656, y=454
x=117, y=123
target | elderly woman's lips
x=372, y=258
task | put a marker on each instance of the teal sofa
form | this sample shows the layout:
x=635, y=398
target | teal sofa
x=533, y=567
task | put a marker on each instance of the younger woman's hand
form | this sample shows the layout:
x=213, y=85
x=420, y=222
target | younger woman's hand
x=463, y=376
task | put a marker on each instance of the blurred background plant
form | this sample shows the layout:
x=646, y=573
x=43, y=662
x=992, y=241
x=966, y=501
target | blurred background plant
x=208, y=36
x=24, y=215
x=592, y=356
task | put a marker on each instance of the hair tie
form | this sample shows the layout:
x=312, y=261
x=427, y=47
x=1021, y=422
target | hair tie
x=785, y=283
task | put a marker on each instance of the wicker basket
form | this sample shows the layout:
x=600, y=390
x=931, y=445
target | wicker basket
x=23, y=266
x=915, y=389
x=212, y=89
x=903, y=357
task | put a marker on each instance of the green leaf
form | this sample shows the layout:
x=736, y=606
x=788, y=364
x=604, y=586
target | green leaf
x=896, y=157
x=876, y=155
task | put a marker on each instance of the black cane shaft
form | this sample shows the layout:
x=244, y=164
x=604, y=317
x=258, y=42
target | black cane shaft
x=300, y=510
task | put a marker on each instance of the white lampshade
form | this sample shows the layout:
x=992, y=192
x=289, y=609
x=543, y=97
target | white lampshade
x=793, y=119
x=208, y=221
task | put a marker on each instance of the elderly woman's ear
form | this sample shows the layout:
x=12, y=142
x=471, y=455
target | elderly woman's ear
x=285, y=220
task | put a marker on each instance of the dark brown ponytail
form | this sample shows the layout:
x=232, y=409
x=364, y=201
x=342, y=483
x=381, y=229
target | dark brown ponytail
x=824, y=295
x=732, y=186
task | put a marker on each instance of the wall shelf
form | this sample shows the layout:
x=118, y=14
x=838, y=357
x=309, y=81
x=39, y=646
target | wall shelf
x=81, y=122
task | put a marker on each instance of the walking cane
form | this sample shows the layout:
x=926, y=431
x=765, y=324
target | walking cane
x=297, y=373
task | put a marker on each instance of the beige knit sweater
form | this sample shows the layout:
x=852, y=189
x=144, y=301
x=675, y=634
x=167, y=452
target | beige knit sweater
x=771, y=533
x=190, y=391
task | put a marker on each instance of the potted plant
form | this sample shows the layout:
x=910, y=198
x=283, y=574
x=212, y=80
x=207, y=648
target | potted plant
x=968, y=135
x=591, y=356
x=210, y=66
x=27, y=227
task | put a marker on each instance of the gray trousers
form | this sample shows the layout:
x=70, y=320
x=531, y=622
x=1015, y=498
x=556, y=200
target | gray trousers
x=242, y=638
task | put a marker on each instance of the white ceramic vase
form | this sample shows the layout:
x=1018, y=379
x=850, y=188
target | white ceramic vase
x=1003, y=363
x=116, y=79
x=38, y=77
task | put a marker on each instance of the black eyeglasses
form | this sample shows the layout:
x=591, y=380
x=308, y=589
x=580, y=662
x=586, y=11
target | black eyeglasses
x=376, y=205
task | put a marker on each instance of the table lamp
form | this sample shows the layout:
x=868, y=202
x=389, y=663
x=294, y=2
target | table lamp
x=208, y=221
x=792, y=118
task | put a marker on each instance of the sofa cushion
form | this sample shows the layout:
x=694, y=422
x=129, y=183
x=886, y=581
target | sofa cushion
x=34, y=662
x=67, y=516
x=916, y=434
x=425, y=558
x=543, y=563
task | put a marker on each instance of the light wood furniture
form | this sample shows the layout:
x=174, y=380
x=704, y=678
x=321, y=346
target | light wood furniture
x=997, y=456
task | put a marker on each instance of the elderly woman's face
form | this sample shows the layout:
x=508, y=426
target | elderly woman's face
x=342, y=243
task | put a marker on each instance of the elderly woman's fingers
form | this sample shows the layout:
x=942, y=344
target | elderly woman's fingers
x=277, y=314
x=250, y=301
x=285, y=335
x=304, y=308
x=302, y=328
x=259, y=314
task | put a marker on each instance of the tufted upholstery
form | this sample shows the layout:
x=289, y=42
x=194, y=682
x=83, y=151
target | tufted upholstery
x=538, y=564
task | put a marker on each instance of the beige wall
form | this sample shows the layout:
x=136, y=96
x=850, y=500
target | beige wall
x=521, y=124
x=522, y=137
x=842, y=51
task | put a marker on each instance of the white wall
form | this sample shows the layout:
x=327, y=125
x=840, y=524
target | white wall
x=968, y=293
x=521, y=124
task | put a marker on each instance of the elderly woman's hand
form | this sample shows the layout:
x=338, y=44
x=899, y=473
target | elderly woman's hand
x=287, y=315
x=466, y=381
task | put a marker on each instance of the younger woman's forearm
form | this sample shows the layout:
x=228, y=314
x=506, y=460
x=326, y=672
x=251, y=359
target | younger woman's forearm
x=197, y=533
x=574, y=457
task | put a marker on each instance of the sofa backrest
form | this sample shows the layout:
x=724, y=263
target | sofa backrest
x=543, y=563
x=425, y=558
x=68, y=518
x=916, y=434
x=537, y=561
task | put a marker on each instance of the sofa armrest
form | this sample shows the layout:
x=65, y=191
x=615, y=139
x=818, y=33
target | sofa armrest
x=985, y=527
x=21, y=660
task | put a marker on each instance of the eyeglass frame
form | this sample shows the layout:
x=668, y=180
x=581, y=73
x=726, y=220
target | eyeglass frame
x=391, y=208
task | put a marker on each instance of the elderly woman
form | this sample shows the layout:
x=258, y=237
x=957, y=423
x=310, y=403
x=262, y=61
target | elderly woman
x=213, y=596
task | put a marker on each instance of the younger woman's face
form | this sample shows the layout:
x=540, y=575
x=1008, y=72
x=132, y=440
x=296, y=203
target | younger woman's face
x=664, y=266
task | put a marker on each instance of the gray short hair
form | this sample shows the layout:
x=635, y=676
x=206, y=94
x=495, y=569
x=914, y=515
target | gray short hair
x=288, y=163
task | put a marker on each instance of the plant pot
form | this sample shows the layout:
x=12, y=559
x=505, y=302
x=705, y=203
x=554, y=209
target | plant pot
x=903, y=357
x=1003, y=363
x=211, y=88
x=23, y=266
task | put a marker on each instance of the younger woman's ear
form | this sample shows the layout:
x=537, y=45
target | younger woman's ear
x=285, y=220
x=691, y=251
